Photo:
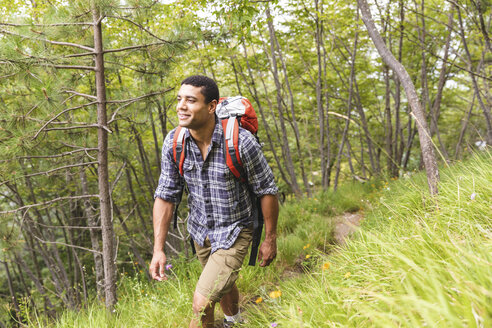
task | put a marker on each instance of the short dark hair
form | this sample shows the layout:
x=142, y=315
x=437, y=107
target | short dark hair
x=208, y=86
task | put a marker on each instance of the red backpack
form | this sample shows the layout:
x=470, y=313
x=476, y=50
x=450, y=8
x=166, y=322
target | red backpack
x=233, y=113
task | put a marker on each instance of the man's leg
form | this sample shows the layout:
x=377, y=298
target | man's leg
x=230, y=302
x=203, y=312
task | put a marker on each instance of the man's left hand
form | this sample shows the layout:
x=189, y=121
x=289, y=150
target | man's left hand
x=267, y=252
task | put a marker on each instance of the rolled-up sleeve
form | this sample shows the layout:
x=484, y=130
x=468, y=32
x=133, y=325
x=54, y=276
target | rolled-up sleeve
x=170, y=185
x=259, y=174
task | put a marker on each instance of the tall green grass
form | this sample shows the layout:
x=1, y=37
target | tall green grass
x=416, y=262
x=305, y=226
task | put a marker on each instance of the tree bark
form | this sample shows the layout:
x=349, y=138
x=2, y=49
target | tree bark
x=319, y=93
x=95, y=236
x=133, y=246
x=268, y=131
x=464, y=125
x=349, y=110
x=426, y=146
x=288, y=158
x=13, y=297
x=295, y=127
x=102, y=171
x=485, y=107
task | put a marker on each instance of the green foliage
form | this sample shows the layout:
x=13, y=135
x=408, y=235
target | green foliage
x=229, y=40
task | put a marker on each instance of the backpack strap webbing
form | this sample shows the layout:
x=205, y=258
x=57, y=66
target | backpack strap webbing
x=178, y=156
x=179, y=148
x=257, y=230
x=231, y=148
x=233, y=161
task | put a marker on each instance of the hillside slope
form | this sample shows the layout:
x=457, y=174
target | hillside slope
x=415, y=262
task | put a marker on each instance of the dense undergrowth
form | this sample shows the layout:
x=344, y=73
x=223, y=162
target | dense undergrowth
x=416, y=262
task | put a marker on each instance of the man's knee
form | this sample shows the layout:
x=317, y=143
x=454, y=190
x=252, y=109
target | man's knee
x=201, y=304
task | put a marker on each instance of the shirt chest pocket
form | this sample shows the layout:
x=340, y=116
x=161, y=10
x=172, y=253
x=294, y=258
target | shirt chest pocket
x=224, y=180
x=190, y=172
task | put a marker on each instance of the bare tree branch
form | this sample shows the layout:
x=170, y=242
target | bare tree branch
x=78, y=55
x=51, y=171
x=80, y=94
x=47, y=25
x=56, y=116
x=139, y=97
x=65, y=244
x=131, y=101
x=118, y=176
x=68, y=153
x=66, y=227
x=139, y=26
x=47, y=203
x=136, y=47
x=83, y=126
x=89, y=68
x=137, y=7
x=68, y=44
x=136, y=69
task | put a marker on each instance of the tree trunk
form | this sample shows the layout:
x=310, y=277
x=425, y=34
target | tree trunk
x=398, y=147
x=102, y=171
x=388, y=131
x=464, y=125
x=156, y=141
x=13, y=298
x=268, y=131
x=288, y=158
x=133, y=246
x=274, y=39
x=95, y=236
x=319, y=94
x=426, y=146
x=485, y=107
x=349, y=110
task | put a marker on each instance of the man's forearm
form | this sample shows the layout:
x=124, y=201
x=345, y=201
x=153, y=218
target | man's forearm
x=162, y=216
x=269, y=207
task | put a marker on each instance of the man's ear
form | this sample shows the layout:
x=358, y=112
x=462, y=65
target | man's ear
x=212, y=106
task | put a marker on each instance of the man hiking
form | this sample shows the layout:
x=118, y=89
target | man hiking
x=221, y=206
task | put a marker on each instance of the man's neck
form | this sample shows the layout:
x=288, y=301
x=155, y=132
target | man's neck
x=203, y=136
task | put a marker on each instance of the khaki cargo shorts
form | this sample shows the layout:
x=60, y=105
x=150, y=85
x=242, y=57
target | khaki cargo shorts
x=221, y=269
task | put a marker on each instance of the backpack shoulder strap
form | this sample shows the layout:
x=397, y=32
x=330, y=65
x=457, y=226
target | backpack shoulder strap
x=179, y=148
x=231, y=147
x=233, y=160
x=178, y=157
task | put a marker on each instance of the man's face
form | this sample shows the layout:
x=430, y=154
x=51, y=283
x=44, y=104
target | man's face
x=193, y=111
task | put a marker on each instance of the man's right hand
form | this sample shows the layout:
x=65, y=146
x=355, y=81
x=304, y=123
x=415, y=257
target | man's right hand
x=157, y=266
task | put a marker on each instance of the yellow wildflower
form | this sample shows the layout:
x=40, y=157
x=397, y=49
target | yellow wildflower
x=326, y=265
x=259, y=300
x=307, y=246
x=347, y=275
x=275, y=294
x=308, y=256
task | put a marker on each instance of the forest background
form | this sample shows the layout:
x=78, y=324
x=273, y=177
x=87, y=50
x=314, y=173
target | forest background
x=88, y=93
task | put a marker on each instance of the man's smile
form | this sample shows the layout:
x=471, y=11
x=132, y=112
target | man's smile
x=182, y=116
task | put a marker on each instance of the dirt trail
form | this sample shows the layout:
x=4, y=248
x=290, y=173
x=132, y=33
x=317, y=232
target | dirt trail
x=346, y=225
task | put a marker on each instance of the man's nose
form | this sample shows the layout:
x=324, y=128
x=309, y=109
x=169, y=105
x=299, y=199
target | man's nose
x=181, y=104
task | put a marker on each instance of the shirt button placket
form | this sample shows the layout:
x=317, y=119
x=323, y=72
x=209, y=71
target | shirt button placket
x=207, y=196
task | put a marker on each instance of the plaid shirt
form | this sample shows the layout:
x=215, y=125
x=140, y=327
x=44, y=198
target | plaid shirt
x=220, y=205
